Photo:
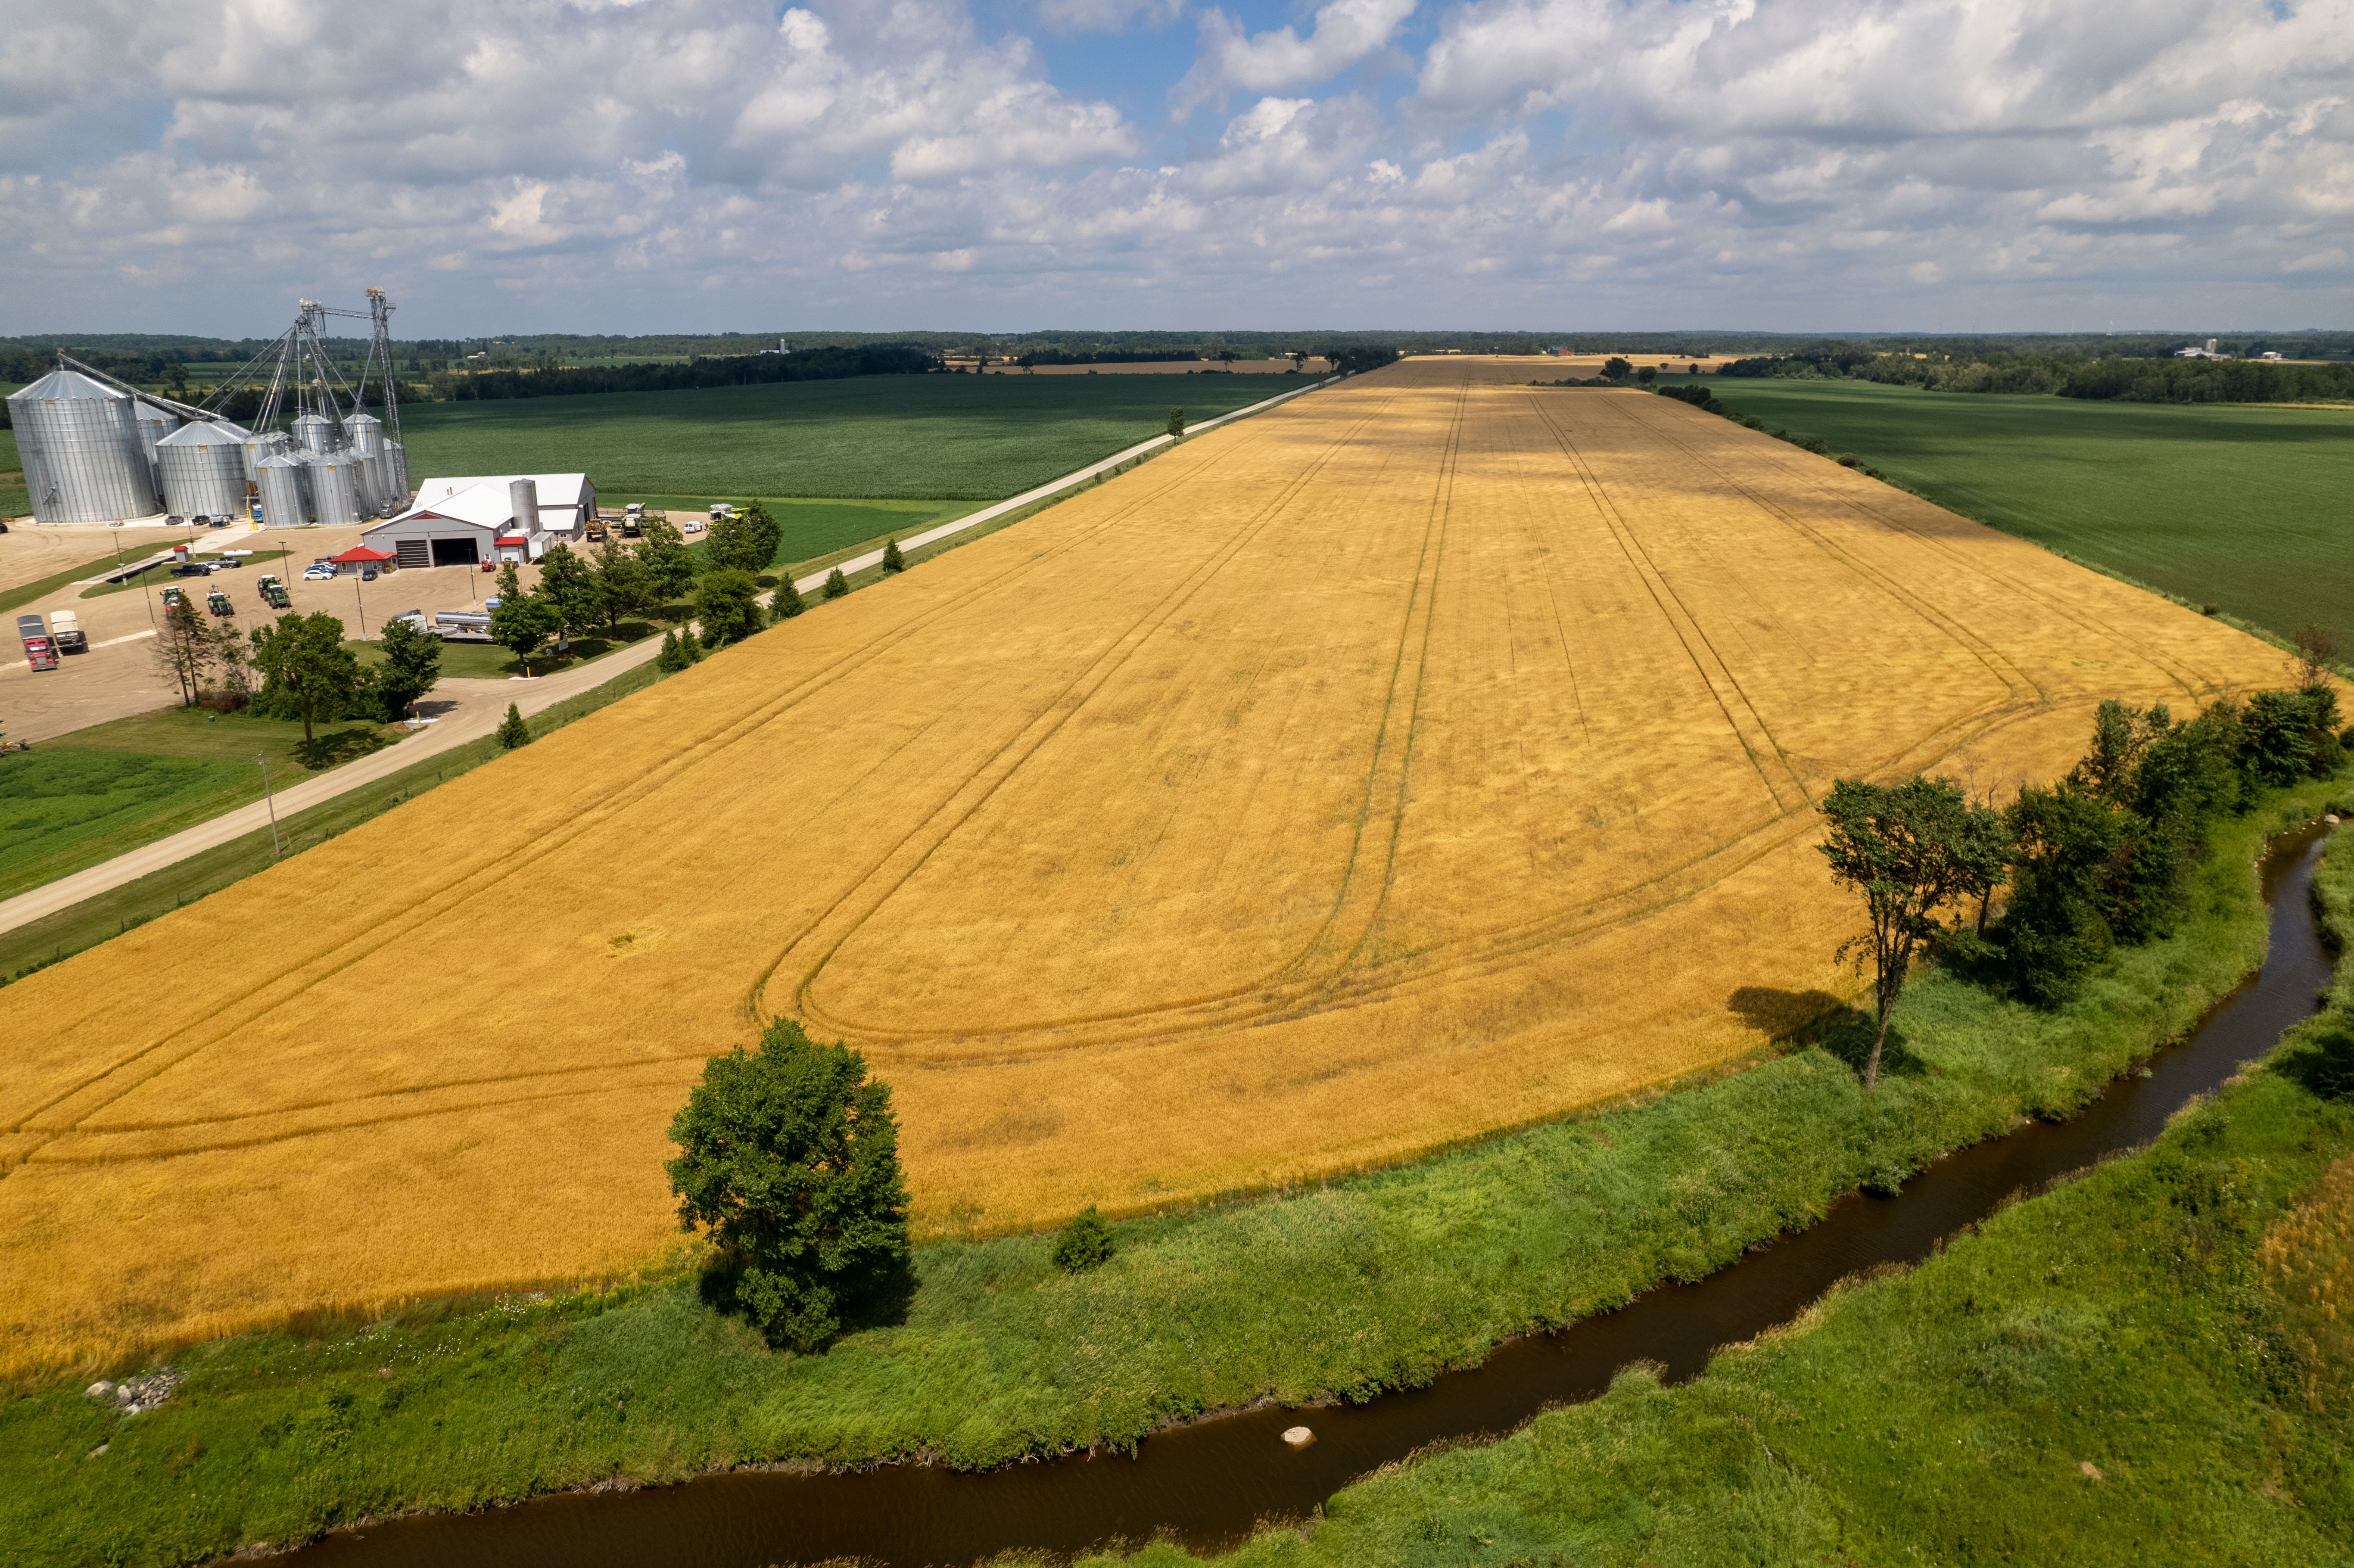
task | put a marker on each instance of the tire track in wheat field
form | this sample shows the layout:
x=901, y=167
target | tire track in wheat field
x=273, y=987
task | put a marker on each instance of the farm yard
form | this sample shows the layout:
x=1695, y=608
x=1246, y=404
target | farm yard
x=1432, y=755
x=2241, y=507
x=923, y=438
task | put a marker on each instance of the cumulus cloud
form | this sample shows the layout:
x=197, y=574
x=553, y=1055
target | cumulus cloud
x=1345, y=32
x=1926, y=162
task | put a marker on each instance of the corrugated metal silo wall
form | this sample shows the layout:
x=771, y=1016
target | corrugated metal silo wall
x=334, y=488
x=152, y=425
x=283, y=502
x=87, y=453
x=204, y=471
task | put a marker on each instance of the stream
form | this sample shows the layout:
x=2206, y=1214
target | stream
x=1210, y=1484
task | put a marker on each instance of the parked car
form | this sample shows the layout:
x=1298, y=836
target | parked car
x=691, y=525
x=230, y=561
x=174, y=521
x=367, y=574
x=192, y=570
x=318, y=572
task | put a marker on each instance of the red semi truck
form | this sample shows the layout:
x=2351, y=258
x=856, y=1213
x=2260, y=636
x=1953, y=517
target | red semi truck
x=40, y=652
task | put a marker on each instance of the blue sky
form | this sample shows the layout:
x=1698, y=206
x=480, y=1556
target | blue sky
x=630, y=165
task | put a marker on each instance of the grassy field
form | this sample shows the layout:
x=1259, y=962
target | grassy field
x=2148, y=1363
x=971, y=437
x=2240, y=507
x=89, y=795
x=813, y=530
x=117, y=910
x=1369, y=1284
x=15, y=502
x=1430, y=756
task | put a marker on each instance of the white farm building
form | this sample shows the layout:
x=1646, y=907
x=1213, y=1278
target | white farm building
x=496, y=517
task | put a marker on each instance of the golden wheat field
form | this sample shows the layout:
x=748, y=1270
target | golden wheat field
x=1429, y=754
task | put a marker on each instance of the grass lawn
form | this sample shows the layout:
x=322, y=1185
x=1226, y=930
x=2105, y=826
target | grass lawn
x=91, y=794
x=2239, y=506
x=492, y=661
x=970, y=437
x=32, y=592
x=1357, y=1286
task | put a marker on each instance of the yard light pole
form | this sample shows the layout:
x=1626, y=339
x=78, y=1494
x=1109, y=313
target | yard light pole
x=276, y=850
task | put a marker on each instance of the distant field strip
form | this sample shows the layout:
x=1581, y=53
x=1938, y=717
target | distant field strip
x=1427, y=756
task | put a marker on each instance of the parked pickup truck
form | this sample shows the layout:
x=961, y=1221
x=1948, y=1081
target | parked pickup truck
x=65, y=626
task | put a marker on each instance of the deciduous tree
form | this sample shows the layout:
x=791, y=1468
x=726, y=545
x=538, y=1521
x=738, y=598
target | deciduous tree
x=305, y=663
x=569, y=590
x=1910, y=849
x=670, y=565
x=624, y=582
x=728, y=604
x=522, y=622
x=411, y=667
x=789, y=1157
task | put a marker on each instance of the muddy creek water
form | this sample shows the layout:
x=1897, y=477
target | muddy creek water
x=1208, y=1484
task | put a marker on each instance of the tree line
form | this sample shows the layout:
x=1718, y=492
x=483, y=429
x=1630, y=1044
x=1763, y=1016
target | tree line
x=2104, y=856
x=2067, y=374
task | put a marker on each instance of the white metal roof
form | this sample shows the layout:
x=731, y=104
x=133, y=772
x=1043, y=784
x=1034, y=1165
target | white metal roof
x=483, y=501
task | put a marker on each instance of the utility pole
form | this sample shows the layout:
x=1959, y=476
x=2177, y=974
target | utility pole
x=277, y=851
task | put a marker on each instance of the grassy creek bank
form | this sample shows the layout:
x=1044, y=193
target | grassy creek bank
x=1363, y=1284
x=2149, y=1354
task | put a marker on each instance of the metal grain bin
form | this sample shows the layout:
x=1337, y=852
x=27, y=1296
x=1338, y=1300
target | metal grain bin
x=285, y=486
x=336, y=488
x=396, y=466
x=80, y=448
x=261, y=444
x=204, y=469
x=366, y=432
x=522, y=500
x=152, y=424
x=314, y=432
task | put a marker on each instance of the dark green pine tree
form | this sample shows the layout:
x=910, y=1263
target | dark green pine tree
x=786, y=602
x=836, y=585
x=892, y=560
x=513, y=731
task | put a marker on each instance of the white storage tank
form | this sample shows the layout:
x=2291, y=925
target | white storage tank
x=204, y=469
x=80, y=442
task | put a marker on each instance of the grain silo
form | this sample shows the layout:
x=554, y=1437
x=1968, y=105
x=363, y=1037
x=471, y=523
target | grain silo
x=204, y=469
x=81, y=444
x=334, y=488
x=314, y=433
x=284, y=479
x=152, y=425
x=366, y=433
